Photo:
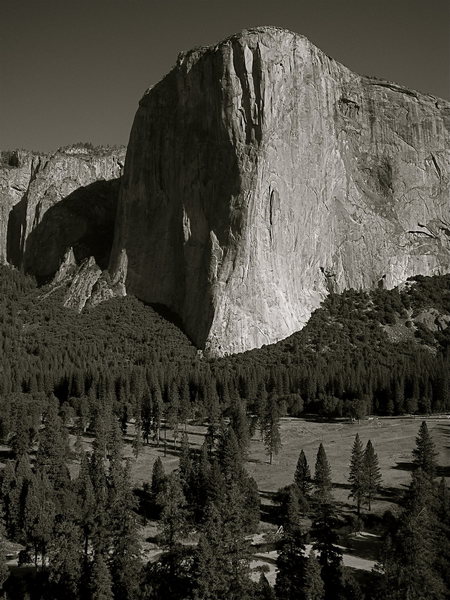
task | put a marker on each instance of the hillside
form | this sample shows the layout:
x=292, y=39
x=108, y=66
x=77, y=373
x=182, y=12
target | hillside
x=385, y=352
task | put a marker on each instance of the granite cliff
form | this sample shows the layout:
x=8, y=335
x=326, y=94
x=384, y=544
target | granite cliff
x=49, y=203
x=261, y=175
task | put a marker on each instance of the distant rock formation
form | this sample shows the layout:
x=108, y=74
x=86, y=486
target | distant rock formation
x=87, y=284
x=261, y=175
x=49, y=203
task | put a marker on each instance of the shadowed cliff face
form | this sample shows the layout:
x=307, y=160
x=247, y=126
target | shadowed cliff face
x=261, y=175
x=49, y=203
x=84, y=221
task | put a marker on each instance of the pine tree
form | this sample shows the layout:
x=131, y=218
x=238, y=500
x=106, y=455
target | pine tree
x=210, y=578
x=51, y=456
x=240, y=426
x=230, y=456
x=356, y=477
x=322, y=477
x=261, y=406
x=291, y=561
x=263, y=589
x=100, y=579
x=314, y=588
x=124, y=553
x=158, y=479
x=302, y=477
x=173, y=524
x=329, y=554
x=157, y=415
x=40, y=511
x=371, y=473
x=424, y=454
x=271, y=428
x=65, y=560
x=4, y=571
x=410, y=565
x=222, y=565
x=85, y=496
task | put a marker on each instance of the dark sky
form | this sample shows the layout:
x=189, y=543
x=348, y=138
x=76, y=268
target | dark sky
x=74, y=70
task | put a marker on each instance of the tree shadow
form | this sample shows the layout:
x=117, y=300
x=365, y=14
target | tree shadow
x=404, y=466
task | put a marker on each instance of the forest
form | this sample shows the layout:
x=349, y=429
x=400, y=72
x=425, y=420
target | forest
x=123, y=367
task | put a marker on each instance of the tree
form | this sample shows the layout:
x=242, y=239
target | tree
x=322, y=477
x=329, y=554
x=356, y=476
x=271, y=428
x=40, y=513
x=410, y=566
x=124, y=552
x=302, y=476
x=51, y=456
x=65, y=560
x=291, y=561
x=158, y=479
x=4, y=571
x=173, y=525
x=84, y=491
x=240, y=426
x=222, y=563
x=314, y=588
x=424, y=454
x=100, y=580
x=371, y=473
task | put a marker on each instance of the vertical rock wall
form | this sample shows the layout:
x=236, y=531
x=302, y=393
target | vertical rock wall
x=261, y=175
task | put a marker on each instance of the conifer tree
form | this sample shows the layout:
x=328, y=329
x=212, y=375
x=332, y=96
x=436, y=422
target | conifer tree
x=356, y=476
x=157, y=414
x=371, y=473
x=124, y=553
x=173, y=418
x=314, y=588
x=186, y=467
x=322, y=477
x=40, y=513
x=329, y=554
x=85, y=496
x=202, y=471
x=291, y=561
x=424, y=454
x=261, y=406
x=239, y=424
x=302, y=477
x=174, y=524
x=158, y=479
x=65, y=560
x=51, y=456
x=230, y=456
x=100, y=579
x=4, y=571
x=271, y=428
x=264, y=590
x=222, y=565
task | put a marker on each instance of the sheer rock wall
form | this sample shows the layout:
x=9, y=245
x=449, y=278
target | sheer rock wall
x=262, y=175
x=49, y=203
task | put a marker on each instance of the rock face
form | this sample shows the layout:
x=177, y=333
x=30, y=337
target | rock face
x=261, y=175
x=87, y=285
x=51, y=202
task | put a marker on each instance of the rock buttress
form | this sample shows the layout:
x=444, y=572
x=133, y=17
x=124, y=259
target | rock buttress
x=261, y=175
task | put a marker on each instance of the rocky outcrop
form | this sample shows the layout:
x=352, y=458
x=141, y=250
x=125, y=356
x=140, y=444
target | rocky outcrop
x=51, y=202
x=86, y=284
x=261, y=175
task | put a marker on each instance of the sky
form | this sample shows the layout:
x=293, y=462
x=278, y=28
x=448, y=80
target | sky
x=74, y=70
